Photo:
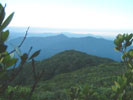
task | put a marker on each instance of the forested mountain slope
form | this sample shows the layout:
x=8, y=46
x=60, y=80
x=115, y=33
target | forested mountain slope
x=63, y=62
x=98, y=78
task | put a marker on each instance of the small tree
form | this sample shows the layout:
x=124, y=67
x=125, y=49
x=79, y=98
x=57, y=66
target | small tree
x=124, y=85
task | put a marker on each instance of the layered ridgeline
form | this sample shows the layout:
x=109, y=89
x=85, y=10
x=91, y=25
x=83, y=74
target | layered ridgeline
x=54, y=44
x=16, y=32
x=63, y=62
x=72, y=68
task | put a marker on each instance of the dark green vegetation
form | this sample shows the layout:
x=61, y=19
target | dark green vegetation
x=73, y=69
x=69, y=69
x=64, y=62
x=54, y=44
x=97, y=78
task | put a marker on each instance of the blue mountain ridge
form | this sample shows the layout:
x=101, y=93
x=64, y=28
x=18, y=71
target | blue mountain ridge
x=54, y=44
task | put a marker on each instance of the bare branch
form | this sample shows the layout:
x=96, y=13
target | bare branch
x=18, y=45
x=36, y=77
x=33, y=69
x=29, y=51
x=22, y=40
x=24, y=37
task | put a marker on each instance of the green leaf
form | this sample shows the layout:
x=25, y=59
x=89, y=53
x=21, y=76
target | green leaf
x=6, y=22
x=3, y=48
x=124, y=79
x=120, y=38
x=131, y=84
x=6, y=59
x=11, y=62
x=114, y=88
x=12, y=55
x=35, y=54
x=2, y=14
x=16, y=48
x=5, y=35
x=123, y=57
x=128, y=43
x=117, y=84
x=130, y=52
x=130, y=36
x=131, y=66
x=117, y=42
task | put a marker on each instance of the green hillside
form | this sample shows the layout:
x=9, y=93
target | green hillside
x=64, y=62
x=69, y=69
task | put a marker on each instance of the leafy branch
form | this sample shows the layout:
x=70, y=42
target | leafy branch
x=7, y=73
x=123, y=87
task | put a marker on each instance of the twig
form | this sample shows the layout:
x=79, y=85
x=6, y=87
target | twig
x=24, y=37
x=29, y=51
x=36, y=77
x=22, y=41
x=33, y=69
x=18, y=45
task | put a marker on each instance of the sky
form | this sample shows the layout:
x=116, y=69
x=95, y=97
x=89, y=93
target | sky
x=102, y=15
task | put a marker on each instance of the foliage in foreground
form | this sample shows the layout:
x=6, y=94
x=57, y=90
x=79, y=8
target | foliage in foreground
x=124, y=85
x=9, y=62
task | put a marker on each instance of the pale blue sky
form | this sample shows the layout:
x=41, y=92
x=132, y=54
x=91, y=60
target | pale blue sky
x=72, y=14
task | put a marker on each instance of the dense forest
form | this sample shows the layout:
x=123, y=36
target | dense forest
x=68, y=75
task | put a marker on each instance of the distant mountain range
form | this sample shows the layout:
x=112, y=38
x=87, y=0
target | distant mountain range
x=16, y=32
x=54, y=44
x=15, y=35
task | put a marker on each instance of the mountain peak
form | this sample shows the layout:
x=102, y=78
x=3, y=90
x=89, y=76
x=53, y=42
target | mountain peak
x=62, y=35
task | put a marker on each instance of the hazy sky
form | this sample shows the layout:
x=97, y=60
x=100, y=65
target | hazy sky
x=78, y=14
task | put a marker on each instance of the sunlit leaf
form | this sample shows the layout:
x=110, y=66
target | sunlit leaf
x=12, y=55
x=117, y=84
x=11, y=62
x=18, y=51
x=4, y=35
x=6, y=22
